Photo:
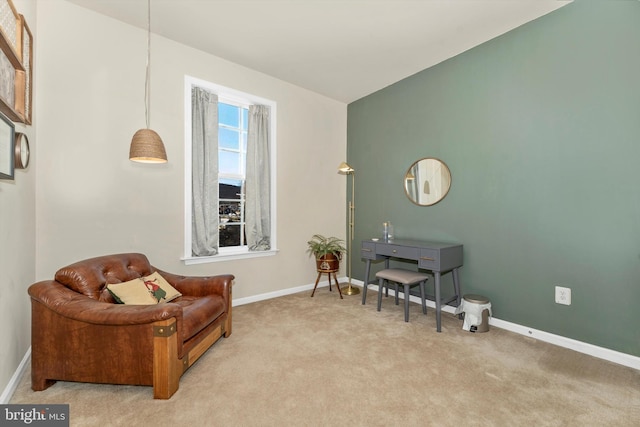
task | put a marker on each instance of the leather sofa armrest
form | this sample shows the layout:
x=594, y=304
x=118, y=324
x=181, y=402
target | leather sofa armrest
x=201, y=286
x=73, y=305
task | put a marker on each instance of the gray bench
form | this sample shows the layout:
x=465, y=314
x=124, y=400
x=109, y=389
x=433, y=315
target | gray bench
x=407, y=278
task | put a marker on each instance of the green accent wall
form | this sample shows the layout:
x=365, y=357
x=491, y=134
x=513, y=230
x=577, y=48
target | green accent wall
x=541, y=130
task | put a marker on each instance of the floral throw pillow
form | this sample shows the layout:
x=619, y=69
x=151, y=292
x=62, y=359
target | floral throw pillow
x=151, y=289
x=161, y=290
x=131, y=292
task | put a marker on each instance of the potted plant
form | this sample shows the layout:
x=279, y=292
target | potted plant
x=327, y=252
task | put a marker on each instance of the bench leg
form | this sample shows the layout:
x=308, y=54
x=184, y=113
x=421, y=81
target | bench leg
x=380, y=284
x=406, y=301
x=423, y=297
x=397, y=296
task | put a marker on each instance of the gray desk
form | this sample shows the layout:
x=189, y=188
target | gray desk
x=437, y=257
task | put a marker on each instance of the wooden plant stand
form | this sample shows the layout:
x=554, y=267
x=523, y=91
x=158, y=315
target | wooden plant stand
x=329, y=272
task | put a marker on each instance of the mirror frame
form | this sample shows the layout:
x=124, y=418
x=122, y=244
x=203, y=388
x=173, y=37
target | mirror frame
x=408, y=173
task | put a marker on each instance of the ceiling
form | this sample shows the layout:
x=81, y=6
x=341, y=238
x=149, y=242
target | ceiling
x=343, y=49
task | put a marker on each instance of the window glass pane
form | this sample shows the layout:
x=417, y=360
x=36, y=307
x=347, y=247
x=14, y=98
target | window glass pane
x=228, y=115
x=229, y=235
x=230, y=188
x=229, y=162
x=228, y=138
x=229, y=212
x=230, y=218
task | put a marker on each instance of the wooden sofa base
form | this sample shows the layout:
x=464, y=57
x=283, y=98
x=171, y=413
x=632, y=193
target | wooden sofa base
x=167, y=367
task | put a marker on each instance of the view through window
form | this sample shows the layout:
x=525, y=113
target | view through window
x=232, y=153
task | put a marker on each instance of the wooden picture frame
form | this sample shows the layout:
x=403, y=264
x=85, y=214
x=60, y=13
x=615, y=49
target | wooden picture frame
x=16, y=64
x=25, y=106
x=7, y=149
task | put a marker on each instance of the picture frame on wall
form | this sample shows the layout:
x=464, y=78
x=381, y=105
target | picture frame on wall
x=16, y=64
x=7, y=150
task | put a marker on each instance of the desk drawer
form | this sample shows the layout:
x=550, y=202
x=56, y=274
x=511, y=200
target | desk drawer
x=397, y=251
x=429, y=259
x=368, y=250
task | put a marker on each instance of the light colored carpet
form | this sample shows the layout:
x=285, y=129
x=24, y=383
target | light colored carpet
x=322, y=361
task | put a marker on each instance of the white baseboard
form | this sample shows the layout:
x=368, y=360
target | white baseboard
x=579, y=346
x=15, y=379
x=279, y=293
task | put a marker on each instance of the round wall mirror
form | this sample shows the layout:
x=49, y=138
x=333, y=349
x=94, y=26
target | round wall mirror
x=427, y=181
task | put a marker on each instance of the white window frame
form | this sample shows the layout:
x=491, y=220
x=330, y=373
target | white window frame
x=229, y=95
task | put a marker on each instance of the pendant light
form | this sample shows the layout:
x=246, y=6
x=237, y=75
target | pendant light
x=146, y=144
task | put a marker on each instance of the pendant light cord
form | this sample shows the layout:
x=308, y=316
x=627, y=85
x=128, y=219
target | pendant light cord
x=147, y=85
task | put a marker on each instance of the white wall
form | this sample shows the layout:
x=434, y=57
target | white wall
x=17, y=243
x=92, y=200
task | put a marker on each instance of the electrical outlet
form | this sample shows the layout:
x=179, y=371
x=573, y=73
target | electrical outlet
x=563, y=295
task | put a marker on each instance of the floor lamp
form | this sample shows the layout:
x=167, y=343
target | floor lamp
x=345, y=169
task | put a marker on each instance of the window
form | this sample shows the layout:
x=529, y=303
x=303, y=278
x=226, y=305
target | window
x=229, y=173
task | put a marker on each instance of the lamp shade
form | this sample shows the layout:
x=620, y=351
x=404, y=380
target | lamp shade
x=345, y=168
x=147, y=147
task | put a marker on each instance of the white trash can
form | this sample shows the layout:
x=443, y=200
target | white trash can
x=477, y=310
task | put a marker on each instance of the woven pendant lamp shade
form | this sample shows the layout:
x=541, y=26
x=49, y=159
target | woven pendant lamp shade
x=147, y=147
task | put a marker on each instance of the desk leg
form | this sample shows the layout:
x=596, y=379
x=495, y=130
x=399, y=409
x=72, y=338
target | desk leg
x=456, y=285
x=436, y=276
x=366, y=281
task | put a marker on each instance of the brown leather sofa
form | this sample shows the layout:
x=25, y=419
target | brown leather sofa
x=79, y=333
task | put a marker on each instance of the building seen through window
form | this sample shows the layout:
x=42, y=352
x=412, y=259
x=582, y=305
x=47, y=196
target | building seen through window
x=231, y=213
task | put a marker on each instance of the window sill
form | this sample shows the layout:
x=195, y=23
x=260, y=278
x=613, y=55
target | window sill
x=228, y=257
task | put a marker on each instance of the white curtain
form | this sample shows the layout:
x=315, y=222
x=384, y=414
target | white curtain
x=204, y=161
x=258, y=180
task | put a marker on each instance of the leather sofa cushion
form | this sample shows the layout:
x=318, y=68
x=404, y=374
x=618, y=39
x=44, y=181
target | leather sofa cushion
x=198, y=313
x=90, y=277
